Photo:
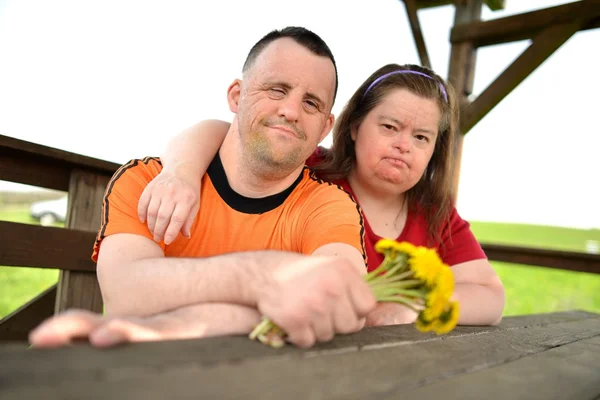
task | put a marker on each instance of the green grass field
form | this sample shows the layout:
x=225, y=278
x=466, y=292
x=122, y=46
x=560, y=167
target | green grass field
x=528, y=289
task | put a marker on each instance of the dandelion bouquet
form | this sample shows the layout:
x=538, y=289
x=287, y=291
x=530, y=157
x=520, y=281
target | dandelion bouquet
x=409, y=275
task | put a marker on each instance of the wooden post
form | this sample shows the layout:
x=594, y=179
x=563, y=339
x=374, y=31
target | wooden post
x=413, y=18
x=542, y=47
x=80, y=289
x=461, y=73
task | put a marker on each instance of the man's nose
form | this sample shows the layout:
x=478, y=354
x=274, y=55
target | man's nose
x=290, y=107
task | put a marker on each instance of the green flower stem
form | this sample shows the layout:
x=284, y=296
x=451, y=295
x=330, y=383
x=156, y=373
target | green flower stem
x=397, y=285
x=401, y=300
x=264, y=326
x=373, y=274
x=393, y=270
x=384, y=279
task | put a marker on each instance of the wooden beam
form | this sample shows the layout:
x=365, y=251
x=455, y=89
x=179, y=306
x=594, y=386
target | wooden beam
x=526, y=25
x=413, y=18
x=461, y=73
x=544, y=44
x=18, y=324
x=78, y=289
x=572, y=261
x=22, y=167
x=493, y=5
x=47, y=167
x=45, y=247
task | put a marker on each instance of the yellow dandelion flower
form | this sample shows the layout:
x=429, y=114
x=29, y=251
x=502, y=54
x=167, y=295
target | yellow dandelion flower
x=447, y=320
x=406, y=248
x=435, y=304
x=422, y=324
x=445, y=282
x=385, y=244
x=438, y=297
x=426, y=265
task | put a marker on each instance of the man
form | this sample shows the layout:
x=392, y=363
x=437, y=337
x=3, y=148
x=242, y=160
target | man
x=256, y=195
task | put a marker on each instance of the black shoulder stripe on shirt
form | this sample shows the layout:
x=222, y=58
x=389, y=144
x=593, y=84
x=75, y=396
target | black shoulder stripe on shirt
x=109, y=187
x=314, y=177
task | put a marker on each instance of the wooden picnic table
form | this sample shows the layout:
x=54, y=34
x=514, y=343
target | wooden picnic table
x=548, y=356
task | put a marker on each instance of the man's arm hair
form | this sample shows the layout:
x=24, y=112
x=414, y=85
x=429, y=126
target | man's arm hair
x=137, y=279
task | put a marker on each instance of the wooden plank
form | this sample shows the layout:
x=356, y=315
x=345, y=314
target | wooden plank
x=572, y=261
x=461, y=74
x=86, y=163
x=47, y=167
x=526, y=25
x=17, y=325
x=22, y=167
x=544, y=44
x=213, y=351
x=81, y=289
x=493, y=5
x=571, y=371
x=413, y=18
x=198, y=367
x=26, y=245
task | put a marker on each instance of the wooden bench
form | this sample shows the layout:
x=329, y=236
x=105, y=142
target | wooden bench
x=554, y=356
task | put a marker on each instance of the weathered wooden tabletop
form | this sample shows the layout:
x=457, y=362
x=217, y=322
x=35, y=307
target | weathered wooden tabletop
x=552, y=356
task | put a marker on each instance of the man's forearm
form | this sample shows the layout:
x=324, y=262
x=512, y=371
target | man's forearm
x=149, y=286
x=205, y=320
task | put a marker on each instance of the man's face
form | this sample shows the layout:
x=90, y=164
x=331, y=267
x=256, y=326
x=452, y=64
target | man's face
x=285, y=105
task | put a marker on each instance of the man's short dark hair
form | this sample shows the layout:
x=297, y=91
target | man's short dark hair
x=300, y=35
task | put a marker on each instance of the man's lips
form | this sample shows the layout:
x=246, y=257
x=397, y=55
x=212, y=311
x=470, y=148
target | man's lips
x=285, y=129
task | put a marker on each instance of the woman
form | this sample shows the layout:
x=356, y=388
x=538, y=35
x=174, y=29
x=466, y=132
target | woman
x=392, y=150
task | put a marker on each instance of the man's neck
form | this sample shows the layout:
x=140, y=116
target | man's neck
x=247, y=178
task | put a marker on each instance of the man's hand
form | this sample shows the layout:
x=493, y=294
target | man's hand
x=199, y=321
x=391, y=314
x=315, y=298
x=170, y=203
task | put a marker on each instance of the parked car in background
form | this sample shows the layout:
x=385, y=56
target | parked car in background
x=49, y=212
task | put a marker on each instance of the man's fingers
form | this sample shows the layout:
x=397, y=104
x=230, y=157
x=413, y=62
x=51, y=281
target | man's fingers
x=302, y=337
x=122, y=331
x=62, y=329
x=362, y=297
x=344, y=318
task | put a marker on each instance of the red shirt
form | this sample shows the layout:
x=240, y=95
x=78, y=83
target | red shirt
x=457, y=245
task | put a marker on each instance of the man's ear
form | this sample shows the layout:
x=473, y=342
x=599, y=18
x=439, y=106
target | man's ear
x=233, y=95
x=327, y=127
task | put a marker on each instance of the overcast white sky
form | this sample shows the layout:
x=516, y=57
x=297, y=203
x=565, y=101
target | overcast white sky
x=115, y=79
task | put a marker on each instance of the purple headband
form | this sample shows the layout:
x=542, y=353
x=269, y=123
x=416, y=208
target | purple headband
x=406, y=71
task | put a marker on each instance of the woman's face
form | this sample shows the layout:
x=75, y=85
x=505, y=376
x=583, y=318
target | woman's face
x=395, y=142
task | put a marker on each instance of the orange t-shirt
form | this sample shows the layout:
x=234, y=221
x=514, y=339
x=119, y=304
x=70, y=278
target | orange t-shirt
x=309, y=214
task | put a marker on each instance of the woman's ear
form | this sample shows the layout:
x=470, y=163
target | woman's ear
x=354, y=133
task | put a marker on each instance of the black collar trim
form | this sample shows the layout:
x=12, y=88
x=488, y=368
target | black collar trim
x=243, y=204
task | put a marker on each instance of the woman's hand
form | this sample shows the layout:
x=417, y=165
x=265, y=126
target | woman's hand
x=391, y=314
x=170, y=203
